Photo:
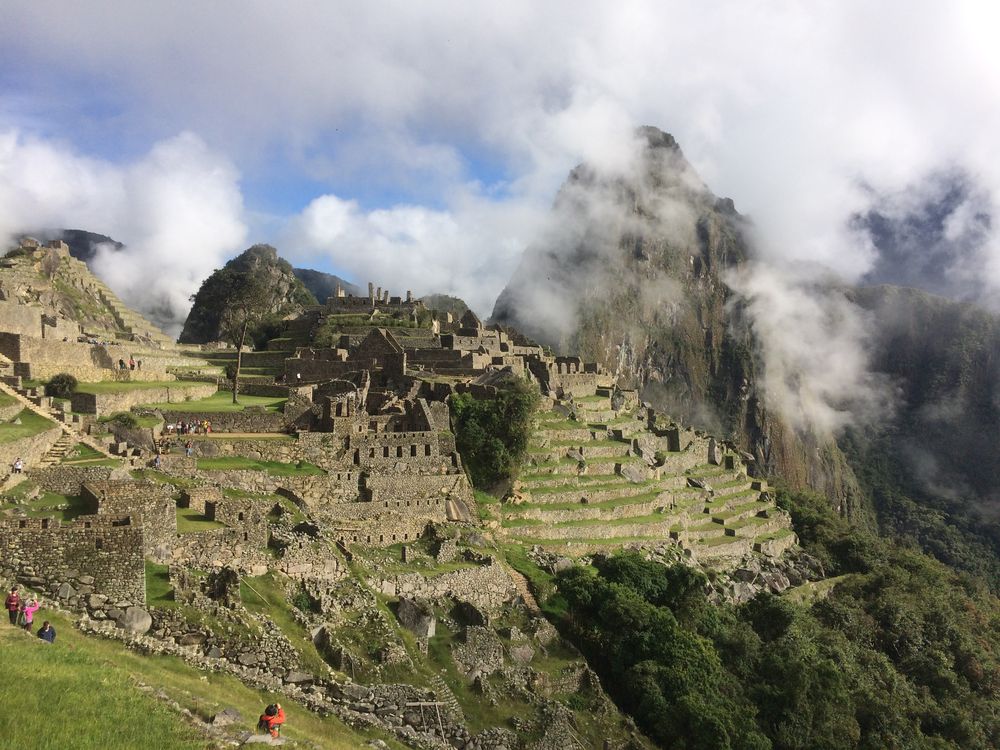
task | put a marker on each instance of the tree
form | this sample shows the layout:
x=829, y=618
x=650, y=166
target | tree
x=251, y=300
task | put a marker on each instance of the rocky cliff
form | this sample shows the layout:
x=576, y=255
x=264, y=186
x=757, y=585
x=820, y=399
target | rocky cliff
x=631, y=274
x=203, y=320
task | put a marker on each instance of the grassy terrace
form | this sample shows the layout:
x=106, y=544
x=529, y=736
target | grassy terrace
x=31, y=424
x=220, y=402
x=637, y=520
x=274, y=468
x=83, y=455
x=5, y=399
x=114, y=386
x=603, y=505
x=190, y=520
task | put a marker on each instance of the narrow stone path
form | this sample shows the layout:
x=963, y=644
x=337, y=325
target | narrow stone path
x=521, y=584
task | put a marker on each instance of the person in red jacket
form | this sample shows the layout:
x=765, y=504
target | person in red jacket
x=272, y=719
x=13, y=605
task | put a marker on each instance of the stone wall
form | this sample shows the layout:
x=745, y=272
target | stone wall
x=251, y=419
x=408, y=488
x=67, y=480
x=151, y=504
x=87, y=362
x=108, y=403
x=25, y=320
x=11, y=410
x=29, y=449
x=222, y=548
x=109, y=555
x=486, y=586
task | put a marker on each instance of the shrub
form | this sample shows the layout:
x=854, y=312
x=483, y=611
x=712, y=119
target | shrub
x=492, y=433
x=124, y=420
x=62, y=385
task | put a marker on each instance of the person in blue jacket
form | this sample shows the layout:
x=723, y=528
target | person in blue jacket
x=47, y=632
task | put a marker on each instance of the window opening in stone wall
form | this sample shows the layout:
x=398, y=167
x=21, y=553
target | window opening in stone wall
x=98, y=543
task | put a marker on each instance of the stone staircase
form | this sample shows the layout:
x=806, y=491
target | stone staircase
x=599, y=479
x=43, y=407
x=524, y=591
x=444, y=694
x=57, y=452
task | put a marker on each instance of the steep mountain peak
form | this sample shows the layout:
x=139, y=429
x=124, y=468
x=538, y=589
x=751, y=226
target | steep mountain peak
x=203, y=321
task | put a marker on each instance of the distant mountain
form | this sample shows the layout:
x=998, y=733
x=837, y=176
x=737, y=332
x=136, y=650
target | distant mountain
x=203, y=322
x=631, y=275
x=82, y=244
x=323, y=285
x=445, y=303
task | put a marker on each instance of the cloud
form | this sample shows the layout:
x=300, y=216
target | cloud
x=466, y=250
x=815, y=349
x=471, y=116
x=178, y=210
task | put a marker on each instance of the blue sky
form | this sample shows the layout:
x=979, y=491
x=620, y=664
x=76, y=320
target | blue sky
x=421, y=144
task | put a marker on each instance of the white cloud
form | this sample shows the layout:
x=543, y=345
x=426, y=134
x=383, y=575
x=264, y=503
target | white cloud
x=178, y=209
x=467, y=250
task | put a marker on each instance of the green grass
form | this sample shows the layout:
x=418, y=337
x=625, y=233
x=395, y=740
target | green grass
x=61, y=507
x=83, y=455
x=219, y=403
x=76, y=701
x=83, y=696
x=31, y=424
x=5, y=399
x=115, y=386
x=266, y=595
x=190, y=520
x=274, y=468
x=159, y=592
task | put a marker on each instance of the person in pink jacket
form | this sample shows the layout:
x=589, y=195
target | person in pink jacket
x=29, y=612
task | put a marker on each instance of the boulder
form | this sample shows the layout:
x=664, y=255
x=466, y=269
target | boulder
x=298, y=678
x=135, y=619
x=522, y=654
x=227, y=716
x=634, y=472
x=96, y=601
x=65, y=591
x=114, y=613
x=192, y=639
x=417, y=617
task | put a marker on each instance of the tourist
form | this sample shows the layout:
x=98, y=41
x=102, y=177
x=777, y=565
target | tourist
x=13, y=605
x=121, y=364
x=189, y=449
x=131, y=362
x=47, y=632
x=271, y=720
x=138, y=364
x=18, y=466
x=157, y=461
x=29, y=612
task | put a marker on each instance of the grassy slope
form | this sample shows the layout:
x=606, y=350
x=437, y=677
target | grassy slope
x=31, y=424
x=55, y=694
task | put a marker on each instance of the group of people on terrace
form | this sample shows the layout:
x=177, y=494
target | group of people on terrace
x=21, y=611
x=133, y=364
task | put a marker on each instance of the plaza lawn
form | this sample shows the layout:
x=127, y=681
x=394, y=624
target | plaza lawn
x=31, y=424
x=274, y=468
x=221, y=402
